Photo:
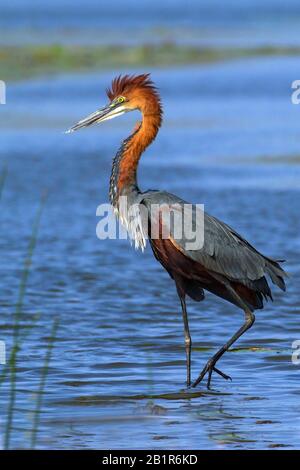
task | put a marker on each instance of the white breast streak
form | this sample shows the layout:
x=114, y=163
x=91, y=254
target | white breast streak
x=134, y=221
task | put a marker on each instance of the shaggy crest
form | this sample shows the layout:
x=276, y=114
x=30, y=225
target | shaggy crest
x=122, y=84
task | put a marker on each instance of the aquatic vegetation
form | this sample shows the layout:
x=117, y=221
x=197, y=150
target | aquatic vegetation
x=21, y=62
x=11, y=368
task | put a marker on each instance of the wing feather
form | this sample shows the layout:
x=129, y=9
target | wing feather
x=224, y=251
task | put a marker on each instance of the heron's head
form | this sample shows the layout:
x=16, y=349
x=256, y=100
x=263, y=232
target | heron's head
x=127, y=93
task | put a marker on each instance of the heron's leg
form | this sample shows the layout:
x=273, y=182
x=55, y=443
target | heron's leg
x=210, y=366
x=187, y=339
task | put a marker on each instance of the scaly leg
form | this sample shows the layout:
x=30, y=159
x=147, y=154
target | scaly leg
x=187, y=339
x=210, y=366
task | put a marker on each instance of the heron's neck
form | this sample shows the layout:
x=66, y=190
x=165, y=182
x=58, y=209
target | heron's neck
x=123, y=179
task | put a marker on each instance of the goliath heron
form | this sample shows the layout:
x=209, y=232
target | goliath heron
x=226, y=264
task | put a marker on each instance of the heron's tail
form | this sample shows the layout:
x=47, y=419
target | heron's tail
x=276, y=273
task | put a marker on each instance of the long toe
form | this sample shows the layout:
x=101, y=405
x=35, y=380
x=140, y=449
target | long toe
x=209, y=368
x=226, y=377
x=202, y=375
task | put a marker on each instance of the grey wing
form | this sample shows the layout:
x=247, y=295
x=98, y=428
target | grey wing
x=223, y=251
x=226, y=252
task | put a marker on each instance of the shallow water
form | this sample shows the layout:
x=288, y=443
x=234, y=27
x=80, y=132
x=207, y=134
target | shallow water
x=231, y=141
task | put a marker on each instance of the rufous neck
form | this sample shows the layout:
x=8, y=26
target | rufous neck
x=124, y=169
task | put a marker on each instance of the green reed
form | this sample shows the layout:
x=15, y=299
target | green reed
x=12, y=363
x=11, y=367
x=41, y=390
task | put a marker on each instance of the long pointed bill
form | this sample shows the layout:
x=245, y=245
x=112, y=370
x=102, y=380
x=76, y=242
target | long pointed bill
x=109, y=112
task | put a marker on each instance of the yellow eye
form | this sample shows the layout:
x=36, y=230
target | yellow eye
x=121, y=99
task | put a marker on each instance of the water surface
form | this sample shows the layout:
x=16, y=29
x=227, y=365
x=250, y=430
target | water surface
x=231, y=141
x=206, y=23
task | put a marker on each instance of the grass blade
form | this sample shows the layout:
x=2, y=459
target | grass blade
x=18, y=313
x=39, y=401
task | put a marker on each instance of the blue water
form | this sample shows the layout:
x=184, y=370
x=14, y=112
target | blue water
x=230, y=140
x=208, y=23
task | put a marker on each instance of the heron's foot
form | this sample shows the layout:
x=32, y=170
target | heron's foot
x=209, y=369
